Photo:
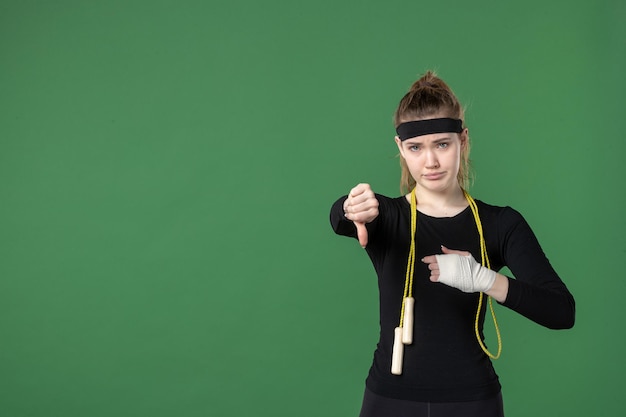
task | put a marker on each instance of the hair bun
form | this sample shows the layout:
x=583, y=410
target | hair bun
x=428, y=96
x=428, y=81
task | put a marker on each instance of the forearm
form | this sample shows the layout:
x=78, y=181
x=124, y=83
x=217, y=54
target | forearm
x=553, y=307
x=500, y=288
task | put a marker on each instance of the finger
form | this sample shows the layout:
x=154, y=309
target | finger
x=452, y=251
x=361, y=232
x=365, y=216
x=429, y=259
x=362, y=201
x=358, y=190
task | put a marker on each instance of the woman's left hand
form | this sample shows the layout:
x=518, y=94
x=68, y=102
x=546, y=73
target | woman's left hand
x=460, y=270
x=490, y=282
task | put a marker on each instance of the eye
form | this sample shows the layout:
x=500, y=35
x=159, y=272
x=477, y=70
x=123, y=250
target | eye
x=414, y=148
x=442, y=145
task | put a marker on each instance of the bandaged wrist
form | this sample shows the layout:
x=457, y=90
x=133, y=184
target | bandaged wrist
x=464, y=273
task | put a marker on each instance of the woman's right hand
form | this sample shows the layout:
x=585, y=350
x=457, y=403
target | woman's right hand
x=361, y=207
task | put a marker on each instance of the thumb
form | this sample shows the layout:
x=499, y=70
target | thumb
x=361, y=233
x=447, y=251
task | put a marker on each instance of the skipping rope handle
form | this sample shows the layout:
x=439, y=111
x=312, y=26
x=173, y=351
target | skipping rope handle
x=407, y=323
x=403, y=335
x=398, y=352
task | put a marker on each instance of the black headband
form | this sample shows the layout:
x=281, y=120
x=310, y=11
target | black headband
x=426, y=127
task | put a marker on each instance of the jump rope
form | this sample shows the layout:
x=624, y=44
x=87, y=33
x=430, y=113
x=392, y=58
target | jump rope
x=403, y=334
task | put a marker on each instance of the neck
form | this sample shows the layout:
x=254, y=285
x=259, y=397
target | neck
x=440, y=204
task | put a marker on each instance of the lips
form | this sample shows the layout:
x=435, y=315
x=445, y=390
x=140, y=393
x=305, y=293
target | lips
x=434, y=176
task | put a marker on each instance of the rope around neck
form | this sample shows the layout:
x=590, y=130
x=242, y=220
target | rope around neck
x=484, y=262
x=404, y=332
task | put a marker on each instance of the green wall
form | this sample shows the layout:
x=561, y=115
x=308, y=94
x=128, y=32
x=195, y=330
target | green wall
x=167, y=167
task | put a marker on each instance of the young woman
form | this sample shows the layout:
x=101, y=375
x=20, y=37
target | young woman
x=436, y=251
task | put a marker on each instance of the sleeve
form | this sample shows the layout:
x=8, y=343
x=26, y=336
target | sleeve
x=338, y=221
x=537, y=292
x=345, y=227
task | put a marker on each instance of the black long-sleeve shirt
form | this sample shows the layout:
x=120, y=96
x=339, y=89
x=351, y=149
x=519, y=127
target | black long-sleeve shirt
x=445, y=362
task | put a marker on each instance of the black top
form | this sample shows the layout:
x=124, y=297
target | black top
x=445, y=363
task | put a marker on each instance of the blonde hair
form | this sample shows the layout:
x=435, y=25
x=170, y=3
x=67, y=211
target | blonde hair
x=430, y=96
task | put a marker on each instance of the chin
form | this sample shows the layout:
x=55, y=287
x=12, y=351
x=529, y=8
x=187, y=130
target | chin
x=437, y=186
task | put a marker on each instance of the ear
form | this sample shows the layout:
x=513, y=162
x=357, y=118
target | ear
x=464, y=137
x=399, y=143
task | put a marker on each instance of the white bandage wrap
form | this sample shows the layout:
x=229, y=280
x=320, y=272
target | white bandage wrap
x=464, y=273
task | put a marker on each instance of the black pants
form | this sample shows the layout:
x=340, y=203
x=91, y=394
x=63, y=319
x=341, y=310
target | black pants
x=375, y=405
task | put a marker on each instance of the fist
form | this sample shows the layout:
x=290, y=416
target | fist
x=361, y=207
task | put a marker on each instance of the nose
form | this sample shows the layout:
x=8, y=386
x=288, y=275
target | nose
x=431, y=160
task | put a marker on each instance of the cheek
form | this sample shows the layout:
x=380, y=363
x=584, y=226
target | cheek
x=457, y=161
x=454, y=154
x=413, y=159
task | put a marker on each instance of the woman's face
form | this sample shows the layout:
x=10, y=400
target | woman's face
x=434, y=159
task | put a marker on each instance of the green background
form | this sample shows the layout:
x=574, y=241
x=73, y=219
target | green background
x=167, y=168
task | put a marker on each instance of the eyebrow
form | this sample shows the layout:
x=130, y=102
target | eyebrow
x=412, y=142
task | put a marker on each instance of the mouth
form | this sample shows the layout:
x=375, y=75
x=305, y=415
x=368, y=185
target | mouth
x=434, y=175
